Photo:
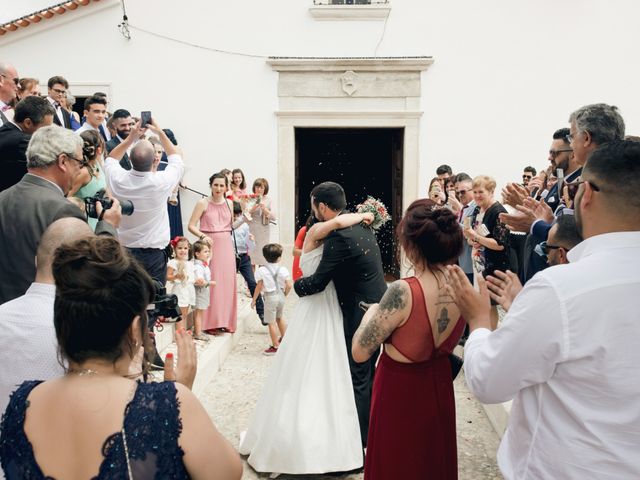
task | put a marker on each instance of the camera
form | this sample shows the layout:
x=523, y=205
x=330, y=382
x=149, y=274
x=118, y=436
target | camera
x=100, y=196
x=163, y=305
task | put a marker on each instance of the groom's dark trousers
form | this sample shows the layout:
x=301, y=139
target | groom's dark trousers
x=351, y=258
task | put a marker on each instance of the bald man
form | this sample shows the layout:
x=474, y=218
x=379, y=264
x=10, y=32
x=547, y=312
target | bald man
x=28, y=345
x=146, y=232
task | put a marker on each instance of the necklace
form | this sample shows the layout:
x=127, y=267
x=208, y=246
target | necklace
x=83, y=372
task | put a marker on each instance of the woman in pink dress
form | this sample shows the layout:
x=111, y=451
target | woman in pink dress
x=214, y=216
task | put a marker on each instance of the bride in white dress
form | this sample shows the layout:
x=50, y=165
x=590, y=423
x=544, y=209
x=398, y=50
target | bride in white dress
x=306, y=420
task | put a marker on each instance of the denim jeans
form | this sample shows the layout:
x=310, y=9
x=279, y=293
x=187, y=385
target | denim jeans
x=247, y=273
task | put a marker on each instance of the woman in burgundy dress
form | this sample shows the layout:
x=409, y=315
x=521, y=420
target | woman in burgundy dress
x=412, y=429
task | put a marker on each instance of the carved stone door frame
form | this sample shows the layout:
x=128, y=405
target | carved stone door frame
x=345, y=92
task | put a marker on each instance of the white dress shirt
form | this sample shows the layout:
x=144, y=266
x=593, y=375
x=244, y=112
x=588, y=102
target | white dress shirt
x=58, y=108
x=28, y=345
x=148, y=227
x=569, y=352
x=86, y=126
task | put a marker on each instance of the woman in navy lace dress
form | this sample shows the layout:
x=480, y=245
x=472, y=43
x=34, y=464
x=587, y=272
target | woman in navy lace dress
x=95, y=422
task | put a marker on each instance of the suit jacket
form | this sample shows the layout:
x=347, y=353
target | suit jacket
x=124, y=161
x=26, y=210
x=13, y=157
x=351, y=258
x=66, y=116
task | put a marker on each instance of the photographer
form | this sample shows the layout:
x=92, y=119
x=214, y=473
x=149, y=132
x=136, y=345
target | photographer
x=54, y=160
x=146, y=232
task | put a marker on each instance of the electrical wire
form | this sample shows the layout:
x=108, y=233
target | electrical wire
x=195, y=45
x=124, y=26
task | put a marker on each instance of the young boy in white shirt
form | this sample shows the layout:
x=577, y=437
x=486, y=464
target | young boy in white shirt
x=274, y=282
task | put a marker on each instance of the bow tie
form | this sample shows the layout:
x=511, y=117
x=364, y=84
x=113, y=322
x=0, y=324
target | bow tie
x=206, y=264
x=56, y=105
x=5, y=108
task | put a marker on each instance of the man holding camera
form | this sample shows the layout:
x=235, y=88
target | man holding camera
x=146, y=231
x=54, y=160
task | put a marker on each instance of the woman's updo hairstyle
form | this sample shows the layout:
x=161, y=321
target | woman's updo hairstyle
x=91, y=142
x=219, y=175
x=100, y=288
x=430, y=234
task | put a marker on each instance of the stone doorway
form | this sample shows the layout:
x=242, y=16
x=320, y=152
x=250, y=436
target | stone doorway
x=365, y=161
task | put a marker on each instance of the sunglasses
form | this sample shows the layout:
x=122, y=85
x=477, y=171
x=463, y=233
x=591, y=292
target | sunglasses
x=572, y=188
x=555, y=153
x=527, y=177
x=545, y=247
x=15, y=80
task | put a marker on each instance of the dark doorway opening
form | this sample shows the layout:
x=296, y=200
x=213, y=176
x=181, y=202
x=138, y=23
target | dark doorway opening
x=365, y=161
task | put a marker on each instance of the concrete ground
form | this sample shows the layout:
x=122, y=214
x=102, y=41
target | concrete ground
x=232, y=394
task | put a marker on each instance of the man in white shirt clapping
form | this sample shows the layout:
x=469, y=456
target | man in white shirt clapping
x=567, y=351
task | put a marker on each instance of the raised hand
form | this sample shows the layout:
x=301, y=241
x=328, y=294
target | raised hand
x=474, y=306
x=504, y=287
x=367, y=218
x=541, y=209
x=514, y=194
x=185, y=373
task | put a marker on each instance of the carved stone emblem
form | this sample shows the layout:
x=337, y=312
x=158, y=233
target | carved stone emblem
x=349, y=82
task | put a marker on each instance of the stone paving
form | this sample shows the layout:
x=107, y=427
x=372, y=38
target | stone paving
x=231, y=396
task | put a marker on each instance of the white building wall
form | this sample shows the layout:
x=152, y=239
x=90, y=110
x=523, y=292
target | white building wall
x=506, y=73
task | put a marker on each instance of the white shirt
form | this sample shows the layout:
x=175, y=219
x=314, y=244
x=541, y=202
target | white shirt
x=58, y=110
x=28, y=344
x=268, y=285
x=569, y=352
x=86, y=126
x=148, y=227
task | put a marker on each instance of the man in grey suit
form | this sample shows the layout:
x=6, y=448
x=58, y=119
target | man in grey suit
x=54, y=160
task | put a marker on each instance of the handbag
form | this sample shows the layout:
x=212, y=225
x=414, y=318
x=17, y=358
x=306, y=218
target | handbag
x=235, y=244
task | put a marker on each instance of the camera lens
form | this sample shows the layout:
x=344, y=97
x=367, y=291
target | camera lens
x=127, y=207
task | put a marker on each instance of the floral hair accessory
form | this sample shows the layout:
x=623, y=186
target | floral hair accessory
x=175, y=241
x=377, y=208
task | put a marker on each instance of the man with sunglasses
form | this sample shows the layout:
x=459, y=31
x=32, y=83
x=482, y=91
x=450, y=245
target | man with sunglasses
x=563, y=236
x=567, y=349
x=527, y=175
x=9, y=83
x=54, y=160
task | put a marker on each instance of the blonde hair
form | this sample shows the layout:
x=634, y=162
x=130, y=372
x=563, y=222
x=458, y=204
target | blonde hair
x=484, y=181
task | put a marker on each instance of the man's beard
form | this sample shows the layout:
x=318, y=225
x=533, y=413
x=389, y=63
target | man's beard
x=564, y=165
x=122, y=134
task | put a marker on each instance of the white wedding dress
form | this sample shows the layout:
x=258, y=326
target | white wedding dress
x=306, y=420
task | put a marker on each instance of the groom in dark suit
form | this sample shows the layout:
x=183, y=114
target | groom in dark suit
x=351, y=258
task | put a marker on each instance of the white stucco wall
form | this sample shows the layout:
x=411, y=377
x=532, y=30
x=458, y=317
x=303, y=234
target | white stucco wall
x=506, y=73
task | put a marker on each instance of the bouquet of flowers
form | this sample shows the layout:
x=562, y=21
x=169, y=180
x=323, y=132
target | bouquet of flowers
x=377, y=208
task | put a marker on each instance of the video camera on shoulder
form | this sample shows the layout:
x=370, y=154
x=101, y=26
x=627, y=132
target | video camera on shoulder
x=107, y=203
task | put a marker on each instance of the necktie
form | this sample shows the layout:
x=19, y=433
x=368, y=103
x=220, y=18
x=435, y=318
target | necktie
x=102, y=132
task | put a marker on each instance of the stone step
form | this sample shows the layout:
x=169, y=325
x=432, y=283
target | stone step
x=212, y=354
